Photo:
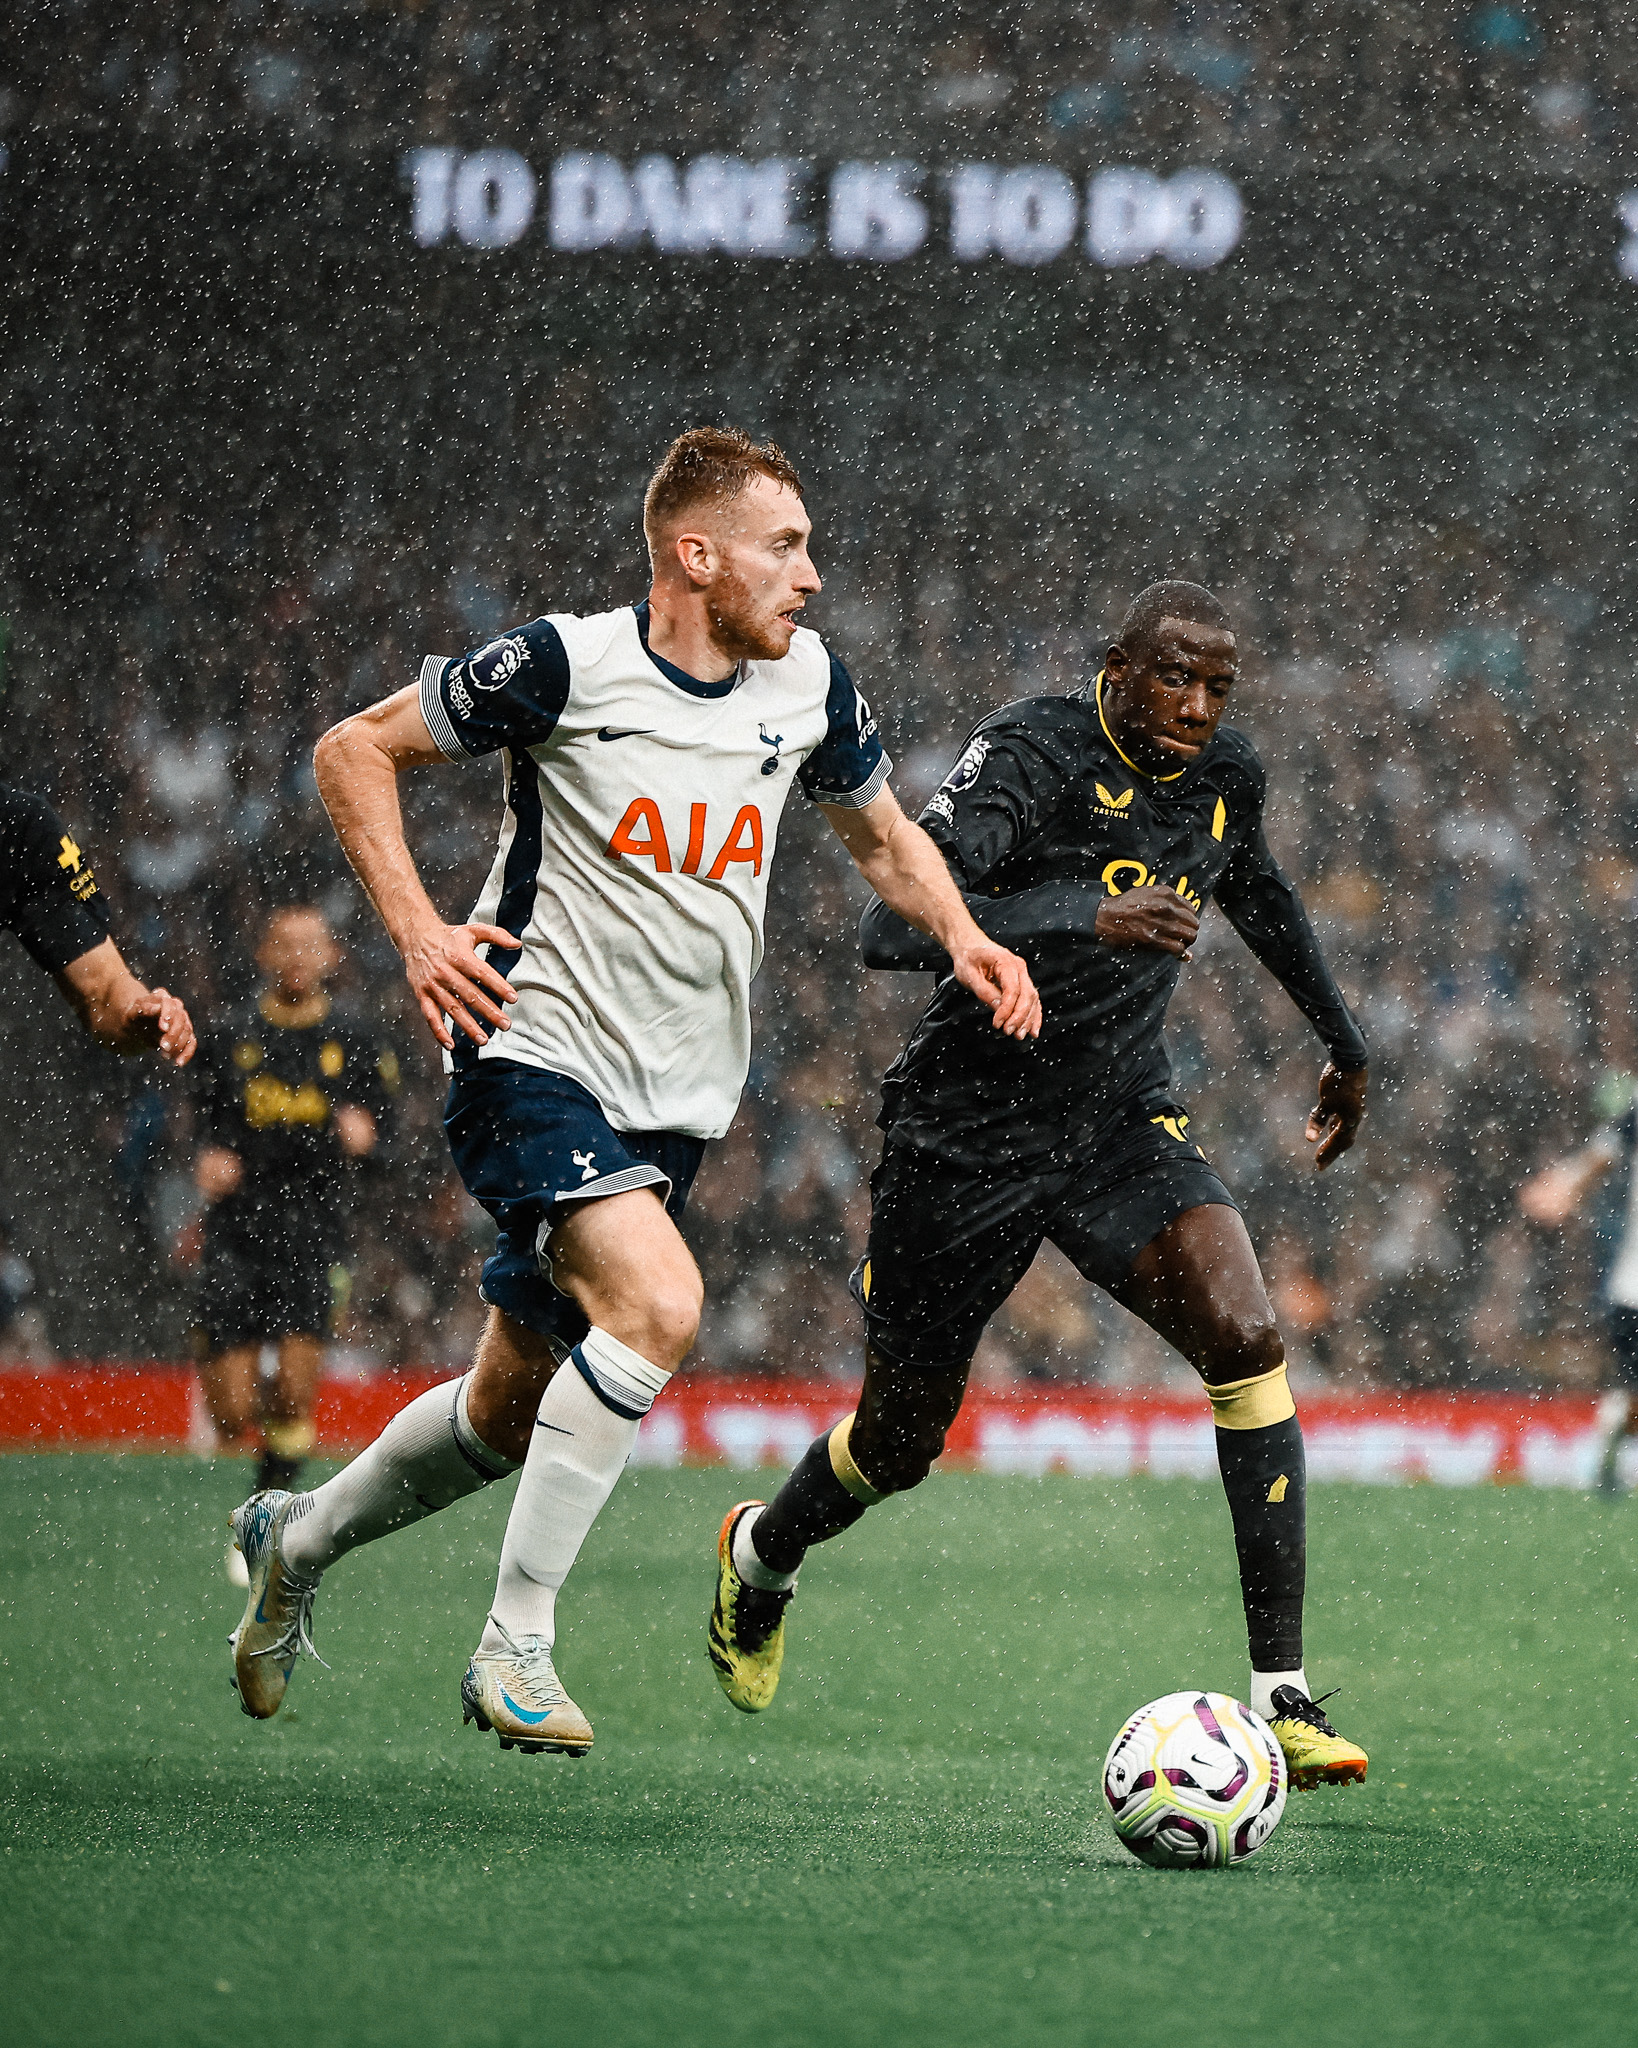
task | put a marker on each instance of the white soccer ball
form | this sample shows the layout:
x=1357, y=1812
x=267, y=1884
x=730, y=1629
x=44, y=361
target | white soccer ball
x=1195, y=1781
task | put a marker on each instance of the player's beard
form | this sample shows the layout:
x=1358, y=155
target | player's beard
x=747, y=627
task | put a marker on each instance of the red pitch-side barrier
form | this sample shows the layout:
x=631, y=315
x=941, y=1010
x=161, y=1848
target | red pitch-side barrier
x=1448, y=1440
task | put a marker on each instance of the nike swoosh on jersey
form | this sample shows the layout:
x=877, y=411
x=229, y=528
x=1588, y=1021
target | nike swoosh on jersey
x=637, y=732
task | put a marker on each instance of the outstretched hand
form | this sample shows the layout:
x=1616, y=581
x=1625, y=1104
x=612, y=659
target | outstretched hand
x=452, y=984
x=157, y=1020
x=1002, y=983
x=1333, y=1122
x=1153, y=916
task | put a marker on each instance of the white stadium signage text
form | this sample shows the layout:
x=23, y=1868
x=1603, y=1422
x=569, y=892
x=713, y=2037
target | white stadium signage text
x=878, y=212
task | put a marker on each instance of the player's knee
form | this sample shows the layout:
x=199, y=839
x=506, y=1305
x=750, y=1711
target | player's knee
x=1241, y=1347
x=896, y=1458
x=671, y=1319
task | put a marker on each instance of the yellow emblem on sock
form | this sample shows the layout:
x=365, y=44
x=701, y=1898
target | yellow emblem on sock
x=1277, y=1491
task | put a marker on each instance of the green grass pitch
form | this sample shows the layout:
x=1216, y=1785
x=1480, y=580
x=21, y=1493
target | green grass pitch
x=908, y=1848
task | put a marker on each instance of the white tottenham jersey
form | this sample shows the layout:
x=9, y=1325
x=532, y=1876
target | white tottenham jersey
x=642, y=807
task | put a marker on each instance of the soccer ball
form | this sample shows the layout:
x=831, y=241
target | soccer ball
x=1195, y=1780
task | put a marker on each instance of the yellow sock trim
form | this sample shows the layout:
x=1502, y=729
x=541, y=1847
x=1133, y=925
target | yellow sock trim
x=842, y=1464
x=289, y=1439
x=1250, y=1404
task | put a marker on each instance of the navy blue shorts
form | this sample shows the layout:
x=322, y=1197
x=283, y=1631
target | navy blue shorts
x=526, y=1142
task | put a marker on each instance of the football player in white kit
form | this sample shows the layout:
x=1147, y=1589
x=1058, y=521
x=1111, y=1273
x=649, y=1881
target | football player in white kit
x=594, y=1014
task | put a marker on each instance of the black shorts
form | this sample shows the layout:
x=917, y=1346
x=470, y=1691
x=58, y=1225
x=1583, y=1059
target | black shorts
x=258, y=1293
x=1624, y=1343
x=948, y=1243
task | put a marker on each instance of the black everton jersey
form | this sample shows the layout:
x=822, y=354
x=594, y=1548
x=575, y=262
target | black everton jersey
x=268, y=1091
x=48, y=893
x=1041, y=820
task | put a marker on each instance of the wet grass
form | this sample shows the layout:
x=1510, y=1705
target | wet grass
x=908, y=1848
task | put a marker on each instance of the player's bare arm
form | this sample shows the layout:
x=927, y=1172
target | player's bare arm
x=121, y=1013
x=908, y=873
x=1552, y=1196
x=357, y=765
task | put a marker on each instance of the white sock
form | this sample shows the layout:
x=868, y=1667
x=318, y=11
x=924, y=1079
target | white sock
x=581, y=1440
x=749, y=1566
x=427, y=1456
x=1262, y=1689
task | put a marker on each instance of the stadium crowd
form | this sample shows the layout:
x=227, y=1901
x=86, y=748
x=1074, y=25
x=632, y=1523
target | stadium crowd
x=1438, y=693
x=1549, y=83
x=1433, y=703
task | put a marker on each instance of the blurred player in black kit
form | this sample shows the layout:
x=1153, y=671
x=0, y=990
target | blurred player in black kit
x=1087, y=832
x=50, y=899
x=291, y=1098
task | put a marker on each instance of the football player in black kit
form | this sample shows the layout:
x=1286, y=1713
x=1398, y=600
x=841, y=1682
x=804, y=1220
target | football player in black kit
x=1088, y=832
x=50, y=899
x=290, y=1096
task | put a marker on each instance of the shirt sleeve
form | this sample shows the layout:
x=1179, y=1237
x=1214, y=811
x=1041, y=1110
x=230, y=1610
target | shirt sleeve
x=509, y=693
x=56, y=908
x=1003, y=788
x=849, y=767
x=1264, y=908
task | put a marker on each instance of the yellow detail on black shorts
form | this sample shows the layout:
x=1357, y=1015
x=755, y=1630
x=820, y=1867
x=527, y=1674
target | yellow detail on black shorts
x=842, y=1463
x=247, y=1056
x=1256, y=1403
x=1276, y=1492
x=864, y=1281
x=331, y=1059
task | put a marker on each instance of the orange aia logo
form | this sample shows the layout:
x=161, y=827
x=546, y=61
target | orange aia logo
x=1141, y=879
x=641, y=835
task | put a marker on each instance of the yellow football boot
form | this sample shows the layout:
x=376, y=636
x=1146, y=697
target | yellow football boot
x=747, y=1633
x=1314, y=1752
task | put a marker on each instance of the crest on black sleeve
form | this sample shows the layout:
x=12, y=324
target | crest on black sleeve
x=966, y=771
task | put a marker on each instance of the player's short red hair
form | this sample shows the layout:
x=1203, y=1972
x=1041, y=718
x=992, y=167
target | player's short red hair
x=710, y=466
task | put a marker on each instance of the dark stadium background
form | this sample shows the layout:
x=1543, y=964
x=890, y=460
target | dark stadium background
x=260, y=451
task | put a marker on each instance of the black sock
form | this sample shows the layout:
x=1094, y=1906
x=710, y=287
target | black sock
x=1265, y=1476
x=812, y=1506
x=274, y=1471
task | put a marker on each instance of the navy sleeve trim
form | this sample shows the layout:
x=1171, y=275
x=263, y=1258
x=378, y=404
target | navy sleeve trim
x=432, y=709
x=849, y=767
x=508, y=693
x=856, y=799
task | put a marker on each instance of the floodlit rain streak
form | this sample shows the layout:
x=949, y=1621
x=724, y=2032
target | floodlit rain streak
x=342, y=334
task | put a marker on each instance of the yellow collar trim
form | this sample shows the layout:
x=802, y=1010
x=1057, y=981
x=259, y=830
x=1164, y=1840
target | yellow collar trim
x=1110, y=737
x=300, y=1016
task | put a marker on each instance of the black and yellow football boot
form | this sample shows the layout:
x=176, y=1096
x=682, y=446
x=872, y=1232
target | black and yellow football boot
x=1314, y=1752
x=746, y=1637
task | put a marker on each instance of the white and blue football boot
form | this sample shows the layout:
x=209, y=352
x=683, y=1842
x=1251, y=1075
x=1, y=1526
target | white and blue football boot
x=516, y=1692
x=278, y=1623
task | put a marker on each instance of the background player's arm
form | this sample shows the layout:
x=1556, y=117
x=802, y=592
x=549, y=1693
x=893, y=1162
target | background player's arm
x=1553, y=1195
x=1264, y=908
x=120, y=1012
x=357, y=765
x=907, y=871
